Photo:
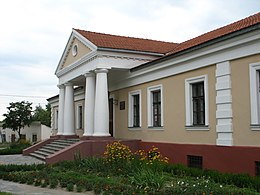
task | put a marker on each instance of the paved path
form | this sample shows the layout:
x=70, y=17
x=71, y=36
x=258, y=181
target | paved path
x=23, y=189
x=18, y=159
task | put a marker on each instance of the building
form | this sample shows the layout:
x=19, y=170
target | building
x=198, y=101
x=34, y=133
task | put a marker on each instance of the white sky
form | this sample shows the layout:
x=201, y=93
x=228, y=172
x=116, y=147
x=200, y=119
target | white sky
x=34, y=33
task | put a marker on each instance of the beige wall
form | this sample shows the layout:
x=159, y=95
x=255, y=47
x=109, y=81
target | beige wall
x=174, y=111
x=243, y=135
x=78, y=131
x=82, y=50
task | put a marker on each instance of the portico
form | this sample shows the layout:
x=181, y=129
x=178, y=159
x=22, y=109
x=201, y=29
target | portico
x=96, y=112
x=98, y=68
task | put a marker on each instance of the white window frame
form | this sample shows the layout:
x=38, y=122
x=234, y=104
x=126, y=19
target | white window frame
x=131, y=110
x=254, y=94
x=188, y=99
x=78, y=117
x=149, y=105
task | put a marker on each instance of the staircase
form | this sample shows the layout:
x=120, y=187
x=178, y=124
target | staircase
x=52, y=148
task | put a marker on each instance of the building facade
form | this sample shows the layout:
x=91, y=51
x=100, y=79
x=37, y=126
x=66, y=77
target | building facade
x=198, y=101
x=36, y=132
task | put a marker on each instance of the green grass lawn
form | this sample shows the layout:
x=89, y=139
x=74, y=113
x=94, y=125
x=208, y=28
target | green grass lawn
x=122, y=172
x=5, y=193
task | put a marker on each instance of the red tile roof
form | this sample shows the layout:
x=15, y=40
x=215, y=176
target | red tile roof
x=127, y=43
x=236, y=26
x=146, y=45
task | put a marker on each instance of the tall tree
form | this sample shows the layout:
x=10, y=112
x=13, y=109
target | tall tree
x=43, y=115
x=18, y=116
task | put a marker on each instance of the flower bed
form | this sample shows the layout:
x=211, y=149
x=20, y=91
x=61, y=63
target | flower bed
x=121, y=171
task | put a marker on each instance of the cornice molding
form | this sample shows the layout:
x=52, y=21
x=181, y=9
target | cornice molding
x=85, y=59
x=238, y=47
x=95, y=55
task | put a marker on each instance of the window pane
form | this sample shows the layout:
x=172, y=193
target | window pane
x=195, y=161
x=257, y=168
x=156, y=111
x=136, y=110
x=198, y=103
x=80, y=117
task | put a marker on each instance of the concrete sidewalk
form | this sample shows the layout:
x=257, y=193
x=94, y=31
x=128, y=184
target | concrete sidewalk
x=19, y=159
x=23, y=189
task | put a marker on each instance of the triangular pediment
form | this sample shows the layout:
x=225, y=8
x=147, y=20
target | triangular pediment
x=76, y=48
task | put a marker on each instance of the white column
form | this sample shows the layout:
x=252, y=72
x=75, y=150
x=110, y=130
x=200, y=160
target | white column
x=61, y=109
x=89, y=104
x=101, y=120
x=69, y=121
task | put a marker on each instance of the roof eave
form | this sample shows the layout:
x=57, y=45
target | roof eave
x=129, y=51
x=202, y=45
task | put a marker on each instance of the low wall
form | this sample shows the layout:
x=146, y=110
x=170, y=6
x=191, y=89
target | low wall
x=88, y=148
x=231, y=159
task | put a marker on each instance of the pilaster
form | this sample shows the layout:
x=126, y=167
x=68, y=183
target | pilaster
x=224, y=115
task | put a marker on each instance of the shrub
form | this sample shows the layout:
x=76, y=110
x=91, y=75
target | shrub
x=70, y=187
x=53, y=183
x=15, y=148
x=79, y=188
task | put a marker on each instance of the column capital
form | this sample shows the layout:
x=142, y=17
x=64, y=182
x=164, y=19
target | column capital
x=60, y=86
x=68, y=84
x=89, y=74
x=101, y=70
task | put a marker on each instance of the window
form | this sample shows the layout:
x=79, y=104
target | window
x=23, y=136
x=257, y=168
x=34, y=138
x=3, y=137
x=75, y=50
x=195, y=161
x=155, y=106
x=196, y=98
x=79, y=117
x=134, y=119
x=56, y=115
x=254, y=71
x=198, y=103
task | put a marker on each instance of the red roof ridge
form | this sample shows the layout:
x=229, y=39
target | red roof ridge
x=216, y=33
x=123, y=36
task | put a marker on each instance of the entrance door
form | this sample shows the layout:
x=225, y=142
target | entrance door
x=111, y=118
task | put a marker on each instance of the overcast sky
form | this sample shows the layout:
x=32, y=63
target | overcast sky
x=34, y=33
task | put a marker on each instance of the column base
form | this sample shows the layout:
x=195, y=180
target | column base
x=65, y=137
x=97, y=138
x=102, y=134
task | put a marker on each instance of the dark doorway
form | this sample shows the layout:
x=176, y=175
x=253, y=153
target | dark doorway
x=111, y=117
x=13, y=138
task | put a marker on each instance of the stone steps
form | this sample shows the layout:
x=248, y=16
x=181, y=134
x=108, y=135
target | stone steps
x=52, y=148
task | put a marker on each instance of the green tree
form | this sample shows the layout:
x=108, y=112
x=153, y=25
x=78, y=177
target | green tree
x=43, y=115
x=18, y=116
